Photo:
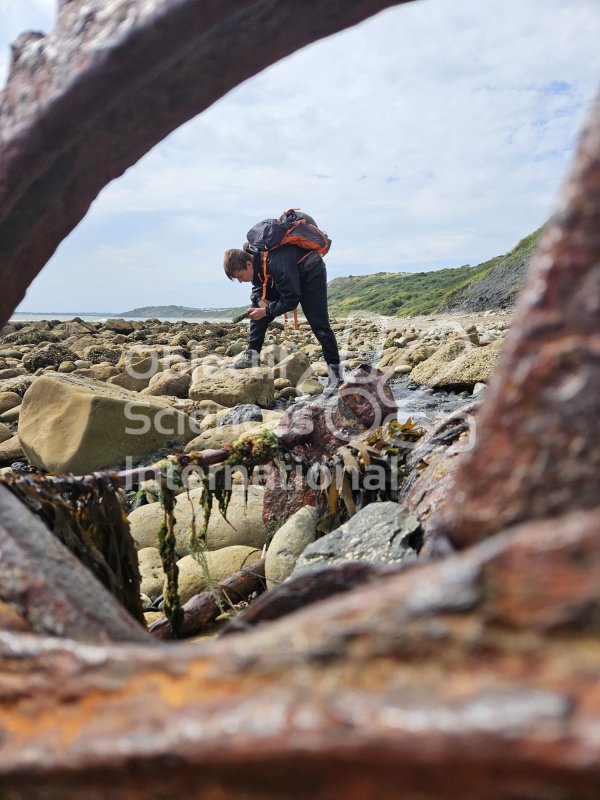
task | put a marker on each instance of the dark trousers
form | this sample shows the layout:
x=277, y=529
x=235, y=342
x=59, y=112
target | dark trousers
x=313, y=299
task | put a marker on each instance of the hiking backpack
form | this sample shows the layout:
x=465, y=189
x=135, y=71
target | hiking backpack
x=292, y=227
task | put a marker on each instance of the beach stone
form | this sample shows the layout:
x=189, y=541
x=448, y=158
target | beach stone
x=140, y=361
x=103, y=372
x=67, y=366
x=273, y=354
x=11, y=450
x=243, y=412
x=151, y=572
x=384, y=533
x=468, y=366
x=8, y=400
x=5, y=433
x=233, y=386
x=292, y=367
x=18, y=384
x=12, y=415
x=118, y=325
x=217, y=437
x=169, y=382
x=281, y=383
x=46, y=356
x=310, y=386
x=235, y=348
x=244, y=524
x=288, y=543
x=97, y=354
x=220, y=564
x=126, y=381
x=74, y=424
x=10, y=372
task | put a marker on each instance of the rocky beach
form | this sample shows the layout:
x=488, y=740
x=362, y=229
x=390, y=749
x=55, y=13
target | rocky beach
x=80, y=396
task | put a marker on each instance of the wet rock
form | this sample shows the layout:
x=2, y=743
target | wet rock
x=73, y=424
x=288, y=543
x=243, y=412
x=385, y=533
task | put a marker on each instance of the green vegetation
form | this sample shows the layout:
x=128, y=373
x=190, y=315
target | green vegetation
x=407, y=294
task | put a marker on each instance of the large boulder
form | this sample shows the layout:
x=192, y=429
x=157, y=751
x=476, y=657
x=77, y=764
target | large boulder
x=244, y=523
x=288, y=544
x=385, y=533
x=74, y=424
x=232, y=386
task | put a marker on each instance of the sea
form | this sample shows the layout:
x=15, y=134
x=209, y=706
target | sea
x=24, y=317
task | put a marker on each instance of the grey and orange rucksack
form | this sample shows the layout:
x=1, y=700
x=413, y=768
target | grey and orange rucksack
x=292, y=227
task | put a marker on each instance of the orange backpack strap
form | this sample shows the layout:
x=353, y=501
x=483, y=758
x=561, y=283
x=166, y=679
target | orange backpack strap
x=265, y=255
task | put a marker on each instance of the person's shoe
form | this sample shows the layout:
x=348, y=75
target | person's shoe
x=335, y=378
x=249, y=358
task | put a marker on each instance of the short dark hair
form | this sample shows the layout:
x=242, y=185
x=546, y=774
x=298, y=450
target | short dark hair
x=235, y=261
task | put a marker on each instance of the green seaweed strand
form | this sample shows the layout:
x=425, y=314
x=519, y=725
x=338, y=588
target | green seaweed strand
x=166, y=544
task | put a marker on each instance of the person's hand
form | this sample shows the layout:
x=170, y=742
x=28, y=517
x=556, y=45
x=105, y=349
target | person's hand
x=257, y=313
x=263, y=303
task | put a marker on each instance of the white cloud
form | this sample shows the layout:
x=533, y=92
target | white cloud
x=434, y=134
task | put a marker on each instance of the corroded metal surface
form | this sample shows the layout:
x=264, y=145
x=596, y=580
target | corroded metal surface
x=49, y=589
x=473, y=676
x=538, y=435
x=85, y=102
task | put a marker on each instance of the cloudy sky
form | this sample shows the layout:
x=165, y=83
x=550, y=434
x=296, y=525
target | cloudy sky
x=432, y=135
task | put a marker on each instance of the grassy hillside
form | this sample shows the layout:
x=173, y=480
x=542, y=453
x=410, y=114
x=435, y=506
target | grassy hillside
x=492, y=284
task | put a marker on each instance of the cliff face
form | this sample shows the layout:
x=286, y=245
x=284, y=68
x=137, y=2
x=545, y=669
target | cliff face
x=498, y=288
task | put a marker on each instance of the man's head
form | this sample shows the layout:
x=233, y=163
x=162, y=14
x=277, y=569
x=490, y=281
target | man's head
x=238, y=265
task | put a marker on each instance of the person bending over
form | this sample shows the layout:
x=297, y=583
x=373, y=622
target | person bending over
x=286, y=284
